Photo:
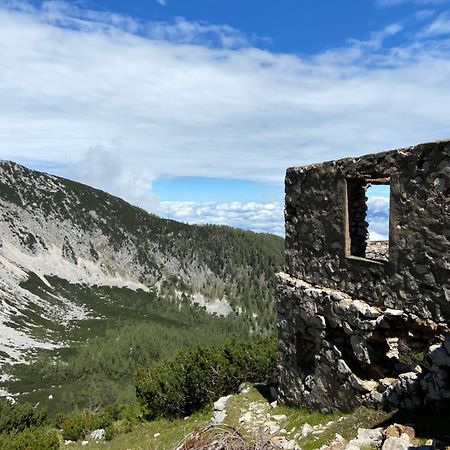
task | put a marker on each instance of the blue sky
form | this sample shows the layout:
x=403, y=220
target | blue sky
x=194, y=109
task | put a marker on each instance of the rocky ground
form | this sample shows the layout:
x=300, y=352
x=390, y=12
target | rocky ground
x=270, y=430
x=248, y=421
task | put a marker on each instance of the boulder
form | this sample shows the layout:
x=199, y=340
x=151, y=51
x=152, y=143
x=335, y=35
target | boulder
x=397, y=430
x=439, y=356
x=221, y=404
x=98, y=435
x=395, y=443
x=219, y=417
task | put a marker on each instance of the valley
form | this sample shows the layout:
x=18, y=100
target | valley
x=90, y=286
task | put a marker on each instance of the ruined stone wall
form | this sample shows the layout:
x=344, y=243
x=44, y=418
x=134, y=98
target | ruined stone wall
x=356, y=330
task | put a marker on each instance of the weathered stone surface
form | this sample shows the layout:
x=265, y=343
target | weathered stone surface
x=221, y=403
x=439, y=356
x=398, y=430
x=366, y=438
x=396, y=443
x=356, y=325
x=98, y=435
x=447, y=344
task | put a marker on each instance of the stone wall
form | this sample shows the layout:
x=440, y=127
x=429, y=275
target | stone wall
x=356, y=330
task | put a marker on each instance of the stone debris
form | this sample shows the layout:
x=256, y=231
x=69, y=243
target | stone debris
x=366, y=438
x=397, y=430
x=306, y=429
x=397, y=443
x=221, y=404
x=244, y=388
x=98, y=435
x=338, y=443
x=279, y=417
x=218, y=417
x=219, y=412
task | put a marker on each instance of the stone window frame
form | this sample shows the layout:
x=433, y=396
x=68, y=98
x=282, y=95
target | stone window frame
x=366, y=180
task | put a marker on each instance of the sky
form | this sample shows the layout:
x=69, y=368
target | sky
x=194, y=109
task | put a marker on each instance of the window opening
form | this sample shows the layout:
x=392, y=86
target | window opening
x=368, y=218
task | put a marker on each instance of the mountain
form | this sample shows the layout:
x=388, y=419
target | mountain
x=91, y=286
x=71, y=254
x=55, y=232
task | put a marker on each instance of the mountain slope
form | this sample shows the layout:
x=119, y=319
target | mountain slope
x=54, y=231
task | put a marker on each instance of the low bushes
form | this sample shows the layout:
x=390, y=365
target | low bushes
x=182, y=385
x=30, y=439
x=19, y=430
x=18, y=416
x=76, y=425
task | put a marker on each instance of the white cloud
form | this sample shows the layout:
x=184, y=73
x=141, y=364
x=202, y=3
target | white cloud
x=259, y=217
x=378, y=228
x=374, y=236
x=416, y=2
x=162, y=2
x=182, y=31
x=378, y=217
x=107, y=169
x=438, y=27
x=119, y=102
x=378, y=204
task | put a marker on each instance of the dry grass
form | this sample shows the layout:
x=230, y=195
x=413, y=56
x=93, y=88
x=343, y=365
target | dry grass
x=225, y=437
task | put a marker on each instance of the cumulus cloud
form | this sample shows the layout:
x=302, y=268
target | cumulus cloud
x=259, y=217
x=374, y=236
x=378, y=204
x=107, y=169
x=378, y=217
x=378, y=228
x=81, y=88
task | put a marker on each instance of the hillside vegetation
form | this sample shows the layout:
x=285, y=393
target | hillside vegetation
x=92, y=286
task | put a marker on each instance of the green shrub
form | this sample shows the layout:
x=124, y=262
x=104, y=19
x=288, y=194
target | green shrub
x=73, y=427
x=18, y=416
x=109, y=432
x=77, y=424
x=30, y=439
x=180, y=386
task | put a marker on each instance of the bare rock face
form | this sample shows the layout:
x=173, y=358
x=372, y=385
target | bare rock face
x=358, y=322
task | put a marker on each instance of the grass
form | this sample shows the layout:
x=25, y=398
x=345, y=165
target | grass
x=143, y=435
x=96, y=367
x=165, y=434
x=172, y=432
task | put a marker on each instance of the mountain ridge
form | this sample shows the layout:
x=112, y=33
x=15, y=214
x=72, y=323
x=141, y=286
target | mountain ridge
x=54, y=227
